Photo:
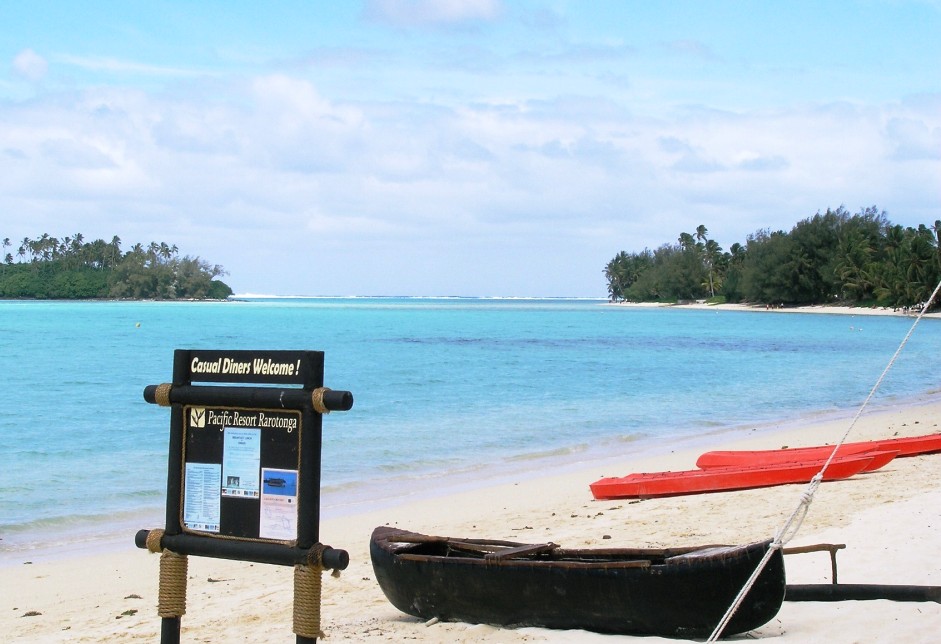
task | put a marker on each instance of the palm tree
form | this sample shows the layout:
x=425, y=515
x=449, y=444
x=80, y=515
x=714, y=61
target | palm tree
x=45, y=246
x=115, y=250
x=686, y=241
x=711, y=257
x=937, y=231
x=612, y=273
x=21, y=251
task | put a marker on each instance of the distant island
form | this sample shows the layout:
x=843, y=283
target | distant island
x=71, y=268
x=832, y=258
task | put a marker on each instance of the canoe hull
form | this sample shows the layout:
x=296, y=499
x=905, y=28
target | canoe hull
x=656, y=484
x=906, y=446
x=685, y=596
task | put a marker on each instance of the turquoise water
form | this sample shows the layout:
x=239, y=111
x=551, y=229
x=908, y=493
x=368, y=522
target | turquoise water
x=441, y=386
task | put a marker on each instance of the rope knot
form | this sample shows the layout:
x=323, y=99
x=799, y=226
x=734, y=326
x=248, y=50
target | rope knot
x=315, y=556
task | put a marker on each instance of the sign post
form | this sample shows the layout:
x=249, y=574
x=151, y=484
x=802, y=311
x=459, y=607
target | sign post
x=243, y=474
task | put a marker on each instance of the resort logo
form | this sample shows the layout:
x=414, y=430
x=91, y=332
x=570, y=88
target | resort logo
x=198, y=417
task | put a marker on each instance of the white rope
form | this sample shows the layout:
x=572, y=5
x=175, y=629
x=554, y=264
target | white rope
x=790, y=528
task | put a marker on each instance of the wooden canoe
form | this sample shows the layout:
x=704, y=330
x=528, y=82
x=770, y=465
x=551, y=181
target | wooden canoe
x=720, y=479
x=907, y=446
x=675, y=592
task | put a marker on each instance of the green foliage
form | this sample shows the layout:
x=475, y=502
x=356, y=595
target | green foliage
x=72, y=269
x=834, y=257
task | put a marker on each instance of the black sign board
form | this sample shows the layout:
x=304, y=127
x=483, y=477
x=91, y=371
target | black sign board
x=244, y=461
x=243, y=473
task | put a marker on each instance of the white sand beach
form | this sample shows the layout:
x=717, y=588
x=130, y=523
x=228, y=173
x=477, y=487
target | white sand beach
x=888, y=520
x=832, y=310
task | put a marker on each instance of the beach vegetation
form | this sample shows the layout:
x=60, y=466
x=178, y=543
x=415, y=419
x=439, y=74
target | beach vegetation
x=834, y=257
x=71, y=268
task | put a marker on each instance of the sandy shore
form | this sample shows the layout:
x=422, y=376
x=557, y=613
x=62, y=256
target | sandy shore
x=834, y=310
x=888, y=519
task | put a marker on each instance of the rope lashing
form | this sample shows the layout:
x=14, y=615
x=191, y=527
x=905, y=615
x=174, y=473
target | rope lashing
x=171, y=596
x=162, y=394
x=792, y=525
x=316, y=398
x=307, y=593
x=153, y=541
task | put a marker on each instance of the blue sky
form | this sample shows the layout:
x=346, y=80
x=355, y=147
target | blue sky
x=459, y=147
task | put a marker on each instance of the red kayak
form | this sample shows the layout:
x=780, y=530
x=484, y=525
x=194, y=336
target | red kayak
x=910, y=446
x=653, y=484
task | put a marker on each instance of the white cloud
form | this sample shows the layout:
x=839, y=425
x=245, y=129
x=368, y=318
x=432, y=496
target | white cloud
x=404, y=13
x=72, y=153
x=692, y=48
x=913, y=139
x=117, y=65
x=30, y=65
x=417, y=197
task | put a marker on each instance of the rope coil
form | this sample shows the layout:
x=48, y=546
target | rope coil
x=171, y=593
x=171, y=599
x=307, y=594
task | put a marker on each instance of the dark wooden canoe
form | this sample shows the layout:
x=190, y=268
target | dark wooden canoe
x=675, y=592
x=906, y=446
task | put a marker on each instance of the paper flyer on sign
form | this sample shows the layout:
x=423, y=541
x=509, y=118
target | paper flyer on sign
x=201, y=500
x=278, y=505
x=241, y=461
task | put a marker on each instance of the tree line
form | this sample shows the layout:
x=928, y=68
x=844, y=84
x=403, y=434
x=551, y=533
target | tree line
x=831, y=258
x=71, y=268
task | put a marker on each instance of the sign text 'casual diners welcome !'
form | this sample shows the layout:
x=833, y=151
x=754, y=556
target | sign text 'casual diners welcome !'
x=251, y=366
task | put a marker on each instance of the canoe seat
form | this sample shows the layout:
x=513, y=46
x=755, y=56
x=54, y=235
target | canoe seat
x=710, y=551
x=521, y=551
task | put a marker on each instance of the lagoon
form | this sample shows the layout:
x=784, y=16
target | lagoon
x=448, y=391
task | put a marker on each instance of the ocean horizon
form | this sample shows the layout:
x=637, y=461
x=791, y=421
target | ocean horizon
x=448, y=391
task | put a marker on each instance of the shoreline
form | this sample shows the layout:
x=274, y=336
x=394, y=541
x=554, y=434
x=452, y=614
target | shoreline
x=379, y=495
x=886, y=518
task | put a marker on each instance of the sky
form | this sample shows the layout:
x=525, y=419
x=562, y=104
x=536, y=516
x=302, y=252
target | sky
x=459, y=147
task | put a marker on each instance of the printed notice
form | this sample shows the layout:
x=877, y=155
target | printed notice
x=278, y=504
x=201, y=500
x=241, y=462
